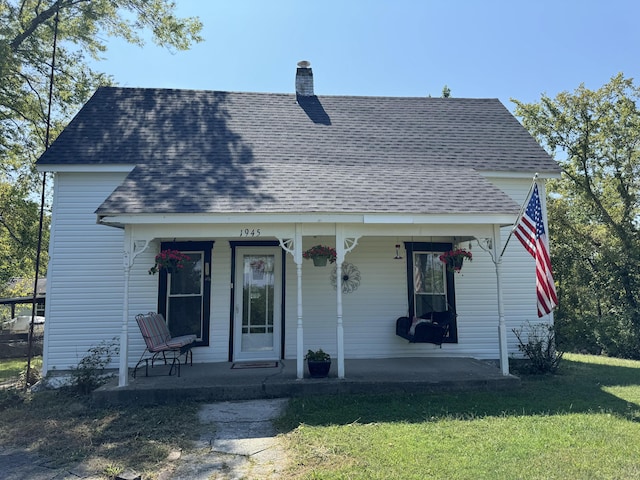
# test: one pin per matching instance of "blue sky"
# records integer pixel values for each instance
(481, 49)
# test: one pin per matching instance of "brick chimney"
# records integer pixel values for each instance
(304, 79)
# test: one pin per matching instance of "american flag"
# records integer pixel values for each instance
(531, 233)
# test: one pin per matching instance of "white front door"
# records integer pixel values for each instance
(258, 298)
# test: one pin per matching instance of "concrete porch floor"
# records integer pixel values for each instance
(214, 382)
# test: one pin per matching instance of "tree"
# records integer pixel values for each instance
(593, 210)
(26, 38)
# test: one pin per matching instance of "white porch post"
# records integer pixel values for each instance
(339, 325)
(297, 258)
(123, 374)
(502, 327)
(294, 247)
(343, 246)
(131, 251)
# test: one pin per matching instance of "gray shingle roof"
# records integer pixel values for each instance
(205, 151)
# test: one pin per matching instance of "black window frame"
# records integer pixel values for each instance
(426, 247)
(207, 248)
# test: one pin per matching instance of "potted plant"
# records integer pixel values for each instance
(453, 259)
(320, 254)
(169, 260)
(318, 363)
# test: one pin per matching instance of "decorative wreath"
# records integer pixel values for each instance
(350, 277)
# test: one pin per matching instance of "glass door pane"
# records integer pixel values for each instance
(257, 315)
(257, 304)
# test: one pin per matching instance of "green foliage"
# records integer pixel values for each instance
(593, 212)
(538, 343)
(26, 46)
(89, 374)
(19, 218)
(317, 356)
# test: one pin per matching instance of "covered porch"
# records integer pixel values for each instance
(221, 381)
(290, 238)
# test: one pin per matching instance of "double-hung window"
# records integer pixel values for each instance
(184, 296)
(430, 284)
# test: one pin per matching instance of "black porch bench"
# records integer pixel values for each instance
(429, 328)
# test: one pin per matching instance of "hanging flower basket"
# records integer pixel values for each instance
(453, 259)
(169, 260)
(320, 254)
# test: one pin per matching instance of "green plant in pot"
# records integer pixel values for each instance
(318, 363)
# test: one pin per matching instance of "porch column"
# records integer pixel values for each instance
(294, 247)
(502, 326)
(343, 246)
(123, 373)
(297, 258)
(131, 251)
(340, 328)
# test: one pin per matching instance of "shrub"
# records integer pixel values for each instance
(89, 374)
(538, 343)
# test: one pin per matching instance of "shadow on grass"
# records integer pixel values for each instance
(66, 428)
(577, 388)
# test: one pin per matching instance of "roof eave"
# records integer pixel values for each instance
(476, 218)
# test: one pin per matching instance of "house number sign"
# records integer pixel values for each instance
(249, 232)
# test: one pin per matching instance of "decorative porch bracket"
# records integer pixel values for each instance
(294, 247)
(344, 245)
(131, 250)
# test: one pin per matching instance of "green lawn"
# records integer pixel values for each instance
(11, 368)
(581, 424)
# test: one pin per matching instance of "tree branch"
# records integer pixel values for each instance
(39, 19)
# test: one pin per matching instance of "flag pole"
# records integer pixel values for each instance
(522, 209)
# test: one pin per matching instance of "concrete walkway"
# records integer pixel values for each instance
(241, 444)
(238, 442)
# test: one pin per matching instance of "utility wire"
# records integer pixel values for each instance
(42, 200)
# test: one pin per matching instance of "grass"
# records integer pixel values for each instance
(67, 428)
(583, 423)
(11, 368)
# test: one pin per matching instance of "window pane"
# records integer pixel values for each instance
(429, 277)
(188, 280)
(429, 273)
(185, 316)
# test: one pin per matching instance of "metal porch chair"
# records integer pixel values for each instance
(160, 343)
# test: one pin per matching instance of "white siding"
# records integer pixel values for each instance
(85, 273)
(370, 312)
(86, 287)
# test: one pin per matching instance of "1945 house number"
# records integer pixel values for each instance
(249, 232)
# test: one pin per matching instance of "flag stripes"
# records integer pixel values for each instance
(531, 233)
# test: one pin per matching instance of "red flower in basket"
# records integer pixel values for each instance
(170, 260)
(453, 258)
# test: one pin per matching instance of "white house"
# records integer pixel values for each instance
(243, 183)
